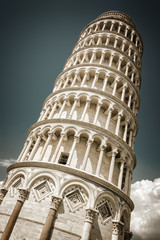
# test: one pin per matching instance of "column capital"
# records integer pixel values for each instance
(90, 141)
(76, 137)
(120, 114)
(117, 227)
(23, 194)
(56, 201)
(90, 214)
(114, 152)
(125, 86)
(102, 147)
(116, 80)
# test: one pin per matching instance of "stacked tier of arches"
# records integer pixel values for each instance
(108, 82)
(115, 26)
(107, 59)
(110, 40)
(95, 109)
(83, 149)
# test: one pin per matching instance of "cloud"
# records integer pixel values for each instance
(6, 162)
(145, 220)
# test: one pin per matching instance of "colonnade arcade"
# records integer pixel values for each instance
(110, 40)
(83, 150)
(102, 80)
(93, 109)
(118, 27)
(107, 58)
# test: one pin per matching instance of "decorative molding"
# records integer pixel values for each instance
(76, 172)
(90, 214)
(56, 201)
(23, 194)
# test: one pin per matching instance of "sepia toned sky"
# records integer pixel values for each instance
(37, 37)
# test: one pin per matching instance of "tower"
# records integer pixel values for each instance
(72, 179)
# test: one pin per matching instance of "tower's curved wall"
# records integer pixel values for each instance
(81, 148)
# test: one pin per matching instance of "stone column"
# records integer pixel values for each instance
(105, 82)
(132, 35)
(66, 81)
(115, 86)
(102, 148)
(73, 107)
(112, 24)
(132, 76)
(102, 58)
(99, 104)
(130, 137)
(126, 180)
(123, 45)
(117, 228)
(26, 151)
(62, 108)
(118, 123)
(119, 28)
(119, 64)
(84, 78)
(95, 79)
(93, 57)
(58, 148)
(99, 41)
(46, 112)
(52, 111)
(86, 154)
(111, 59)
(125, 131)
(126, 31)
(107, 41)
(84, 56)
(111, 169)
(123, 92)
(121, 173)
(129, 51)
(110, 110)
(130, 98)
(104, 25)
(76, 138)
(35, 147)
(90, 214)
(45, 145)
(127, 68)
(48, 225)
(75, 78)
(116, 41)
(85, 109)
(23, 193)
(3, 192)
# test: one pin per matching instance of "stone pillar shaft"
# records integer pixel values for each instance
(14, 215)
(47, 229)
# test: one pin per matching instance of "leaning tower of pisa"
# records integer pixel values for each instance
(72, 179)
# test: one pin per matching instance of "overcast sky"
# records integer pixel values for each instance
(37, 37)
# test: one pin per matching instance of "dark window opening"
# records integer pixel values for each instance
(63, 159)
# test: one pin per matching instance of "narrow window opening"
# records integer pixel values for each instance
(63, 159)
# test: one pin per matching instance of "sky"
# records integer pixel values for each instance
(37, 37)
